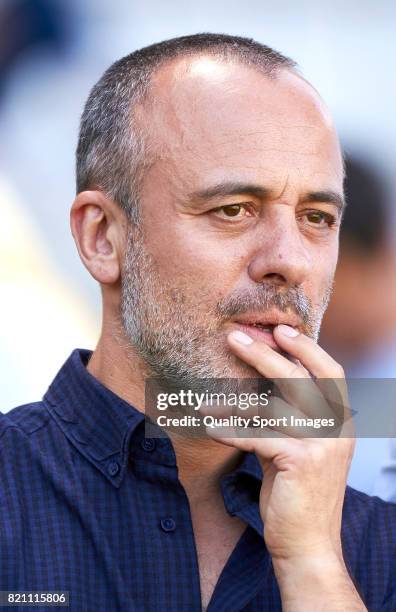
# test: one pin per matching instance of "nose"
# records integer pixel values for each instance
(282, 254)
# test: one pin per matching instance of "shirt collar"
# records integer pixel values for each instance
(93, 418)
(241, 492)
(100, 425)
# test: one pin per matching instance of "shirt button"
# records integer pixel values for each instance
(168, 524)
(113, 468)
(148, 444)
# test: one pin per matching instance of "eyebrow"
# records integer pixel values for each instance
(235, 188)
(229, 188)
(328, 196)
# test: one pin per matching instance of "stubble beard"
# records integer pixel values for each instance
(162, 322)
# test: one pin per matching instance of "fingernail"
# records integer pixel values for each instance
(286, 330)
(241, 337)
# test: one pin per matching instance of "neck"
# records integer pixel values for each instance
(201, 462)
(119, 368)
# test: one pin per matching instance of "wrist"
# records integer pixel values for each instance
(306, 580)
(312, 564)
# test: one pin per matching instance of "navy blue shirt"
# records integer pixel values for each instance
(90, 506)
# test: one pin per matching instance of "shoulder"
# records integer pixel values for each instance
(369, 545)
(23, 420)
(22, 430)
(31, 446)
(23, 434)
(368, 520)
(361, 509)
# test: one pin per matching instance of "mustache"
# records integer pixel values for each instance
(263, 298)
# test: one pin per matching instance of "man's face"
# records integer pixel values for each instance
(239, 217)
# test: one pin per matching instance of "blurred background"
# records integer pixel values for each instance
(53, 51)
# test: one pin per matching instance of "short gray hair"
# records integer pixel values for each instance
(112, 152)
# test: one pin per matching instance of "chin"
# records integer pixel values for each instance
(241, 370)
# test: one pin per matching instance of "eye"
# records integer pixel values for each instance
(320, 218)
(233, 211)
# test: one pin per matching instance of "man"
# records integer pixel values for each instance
(209, 180)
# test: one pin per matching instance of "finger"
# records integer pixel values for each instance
(263, 358)
(269, 445)
(304, 394)
(329, 374)
(335, 392)
(278, 416)
(293, 422)
(285, 372)
(306, 350)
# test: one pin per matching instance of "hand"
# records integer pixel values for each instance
(304, 481)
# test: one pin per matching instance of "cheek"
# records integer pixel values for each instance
(323, 262)
(196, 259)
(321, 280)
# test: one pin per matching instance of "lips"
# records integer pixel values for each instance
(258, 332)
(261, 326)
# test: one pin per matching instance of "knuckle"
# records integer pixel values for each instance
(348, 445)
(343, 448)
(259, 351)
(338, 371)
(296, 371)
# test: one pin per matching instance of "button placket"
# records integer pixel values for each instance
(168, 524)
(148, 444)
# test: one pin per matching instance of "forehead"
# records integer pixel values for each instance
(209, 116)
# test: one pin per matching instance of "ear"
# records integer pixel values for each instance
(99, 228)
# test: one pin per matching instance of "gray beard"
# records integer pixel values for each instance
(160, 321)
